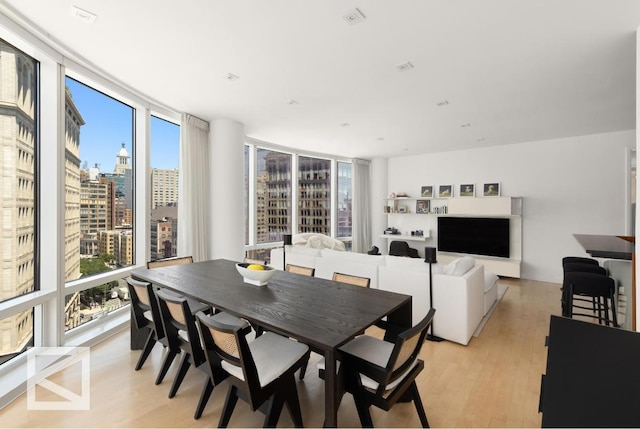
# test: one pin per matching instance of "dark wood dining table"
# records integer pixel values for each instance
(321, 313)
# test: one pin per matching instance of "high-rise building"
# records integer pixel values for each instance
(164, 232)
(117, 242)
(164, 187)
(314, 191)
(97, 212)
(18, 75)
(278, 195)
(73, 122)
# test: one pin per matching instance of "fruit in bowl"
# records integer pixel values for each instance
(255, 274)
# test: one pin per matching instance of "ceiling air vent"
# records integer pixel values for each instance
(354, 17)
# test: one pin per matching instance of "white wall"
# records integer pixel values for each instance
(571, 185)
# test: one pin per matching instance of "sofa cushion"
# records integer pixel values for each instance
(490, 280)
(458, 267)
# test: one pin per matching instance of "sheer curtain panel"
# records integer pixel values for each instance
(193, 208)
(361, 211)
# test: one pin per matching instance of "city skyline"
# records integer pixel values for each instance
(100, 140)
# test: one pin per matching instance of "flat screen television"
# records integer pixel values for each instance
(474, 235)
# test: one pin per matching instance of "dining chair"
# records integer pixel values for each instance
(352, 280)
(298, 269)
(146, 315)
(380, 373)
(261, 372)
(170, 261)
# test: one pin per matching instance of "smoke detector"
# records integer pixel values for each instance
(83, 15)
(354, 17)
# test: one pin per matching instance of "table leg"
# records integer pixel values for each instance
(330, 390)
(398, 321)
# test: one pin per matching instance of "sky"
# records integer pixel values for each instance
(109, 123)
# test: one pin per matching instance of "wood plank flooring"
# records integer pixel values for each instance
(492, 382)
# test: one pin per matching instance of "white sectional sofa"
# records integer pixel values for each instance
(458, 287)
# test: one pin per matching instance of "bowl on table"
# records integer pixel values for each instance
(254, 275)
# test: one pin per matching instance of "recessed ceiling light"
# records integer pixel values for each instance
(465, 125)
(82, 14)
(380, 139)
(442, 103)
(354, 17)
(404, 149)
(404, 66)
(345, 124)
(231, 76)
(292, 101)
(480, 139)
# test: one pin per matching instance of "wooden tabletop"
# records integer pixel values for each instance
(321, 313)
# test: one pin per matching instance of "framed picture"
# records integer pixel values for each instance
(402, 209)
(445, 191)
(467, 190)
(491, 189)
(422, 206)
(426, 192)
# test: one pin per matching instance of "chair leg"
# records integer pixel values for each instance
(415, 394)
(614, 310)
(229, 405)
(168, 360)
(182, 371)
(606, 311)
(148, 346)
(274, 408)
(361, 404)
(292, 402)
(303, 368)
(204, 398)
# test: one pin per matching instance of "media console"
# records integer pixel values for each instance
(466, 207)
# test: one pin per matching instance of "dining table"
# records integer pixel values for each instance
(321, 313)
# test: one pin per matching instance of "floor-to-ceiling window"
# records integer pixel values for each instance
(165, 155)
(344, 198)
(99, 205)
(19, 125)
(314, 195)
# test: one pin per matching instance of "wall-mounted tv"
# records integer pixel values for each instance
(474, 235)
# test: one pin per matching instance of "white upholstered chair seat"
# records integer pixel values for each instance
(377, 352)
(273, 356)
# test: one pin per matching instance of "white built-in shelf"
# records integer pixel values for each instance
(407, 237)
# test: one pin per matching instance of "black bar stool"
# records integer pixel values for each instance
(600, 288)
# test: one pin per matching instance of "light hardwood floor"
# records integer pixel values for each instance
(492, 382)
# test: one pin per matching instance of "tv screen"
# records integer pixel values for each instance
(474, 235)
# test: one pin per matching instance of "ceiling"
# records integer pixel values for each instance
(485, 72)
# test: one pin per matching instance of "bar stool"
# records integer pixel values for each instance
(600, 288)
(580, 267)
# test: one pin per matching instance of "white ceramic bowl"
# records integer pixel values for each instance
(255, 277)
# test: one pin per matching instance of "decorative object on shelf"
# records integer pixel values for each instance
(417, 233)
(258, 275)
(426, 192)
(402, 209)
(392, 196)
(402, 195)
(491, 189)
(430, 258)
(467, 190)
(286, 241)
(422, 206)
(391, 231)
(445, 191)
(374, 251)
(387, 209)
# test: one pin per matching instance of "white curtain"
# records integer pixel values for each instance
(193, 207)
(361, 211)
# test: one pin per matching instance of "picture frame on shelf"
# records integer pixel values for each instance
(426, 192)
(467, 190)
(491, 189)
(445, 191)
(402, 209)
(422, 206)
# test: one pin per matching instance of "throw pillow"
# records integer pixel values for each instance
(464, 265)
(448, 270)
